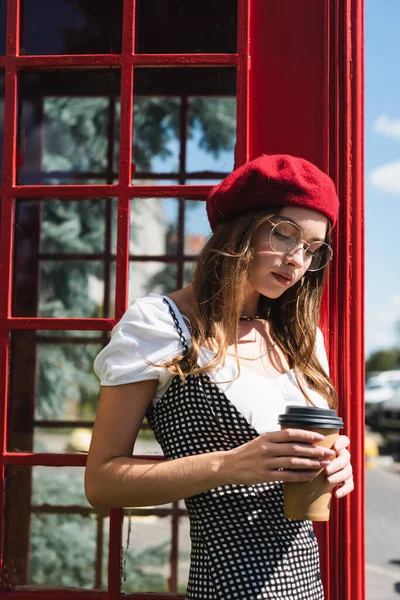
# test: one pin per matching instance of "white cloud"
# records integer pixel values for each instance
(381, 325)
(395, 303)
(387, 177)
(387, 126)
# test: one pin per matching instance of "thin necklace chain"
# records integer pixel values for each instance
(252, 318)
(257, 357)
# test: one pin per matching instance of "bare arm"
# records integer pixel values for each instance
(114, 479)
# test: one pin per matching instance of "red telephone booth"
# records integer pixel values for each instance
(115, 121)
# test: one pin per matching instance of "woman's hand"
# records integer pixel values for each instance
(340, 471)
(286, 455)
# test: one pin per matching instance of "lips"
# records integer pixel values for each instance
(283, 278)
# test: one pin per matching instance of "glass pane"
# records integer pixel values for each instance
(54, 539)
(146, 443)
(3, 26)
(184, 551)
(58, 247)
(148, 564)
(1, 123)
(151, 276)
(54, 391)
(188, 272)
(211, 148)
(197, 227)
(71, 289)
(65, 27)
(206, 101)
(73, 226)
(156, 129)
(178, 26)
(69, 126)
(154, 226)
(146, 553)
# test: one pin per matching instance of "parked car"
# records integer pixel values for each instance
(376, 393)
(382, 401)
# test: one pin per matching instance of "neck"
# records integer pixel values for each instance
(250, 305)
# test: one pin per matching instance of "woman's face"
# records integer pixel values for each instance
(271, 272)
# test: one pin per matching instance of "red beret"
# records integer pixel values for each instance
(273, 180)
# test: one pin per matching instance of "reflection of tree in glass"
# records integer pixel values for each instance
(76, 130)
(164, 281)
(76, 140)
(61, 386)
(63, 547)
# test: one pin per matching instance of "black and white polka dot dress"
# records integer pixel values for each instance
(242, 545)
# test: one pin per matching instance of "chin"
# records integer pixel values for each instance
(272, 295)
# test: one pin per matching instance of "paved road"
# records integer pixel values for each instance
(383, 533)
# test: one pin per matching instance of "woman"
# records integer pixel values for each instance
(212, 366)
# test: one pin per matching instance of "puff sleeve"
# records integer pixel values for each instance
(146, 333)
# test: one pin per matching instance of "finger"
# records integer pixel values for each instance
(337, 464)
(296, 462)
(341, 443)
(345, 489)
(294, 435)
(308, 450)
(341, 476)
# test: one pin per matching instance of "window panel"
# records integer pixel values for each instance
(154, 226)
(213, 146)
(54, 391)
(184, 124)
(178, 26)
(147, 546)
(65, 27)
(69, 132)
(62, 249)
(71, 289)
(3, 26)
(156, 128)
(197, 227)
(76, 227)
(151, 276)
(53, 538)
(184, 546)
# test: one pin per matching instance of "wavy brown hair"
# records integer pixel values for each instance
(219, 286)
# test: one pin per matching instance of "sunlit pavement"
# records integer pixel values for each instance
(382, 527)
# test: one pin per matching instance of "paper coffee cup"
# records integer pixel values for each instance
(310, 500)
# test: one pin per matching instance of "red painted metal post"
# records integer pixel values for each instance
(243, 69)
(306, 99)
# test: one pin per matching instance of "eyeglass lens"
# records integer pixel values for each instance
(286, 236)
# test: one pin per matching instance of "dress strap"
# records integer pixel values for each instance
(177, 326)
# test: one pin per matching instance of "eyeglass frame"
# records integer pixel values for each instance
(301, 241)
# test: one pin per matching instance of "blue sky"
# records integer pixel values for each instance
(382, 173)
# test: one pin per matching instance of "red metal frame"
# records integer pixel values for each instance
(320, 91)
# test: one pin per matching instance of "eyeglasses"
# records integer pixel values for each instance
(285, 237)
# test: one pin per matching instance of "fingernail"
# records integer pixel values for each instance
(324, 463)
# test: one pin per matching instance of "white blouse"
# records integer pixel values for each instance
(146, 334)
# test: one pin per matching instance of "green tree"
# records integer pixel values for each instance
(383, 360)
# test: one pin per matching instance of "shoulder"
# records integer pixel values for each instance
(153, 317)
(148, 332)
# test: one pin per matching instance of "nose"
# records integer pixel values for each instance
(296, 257)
